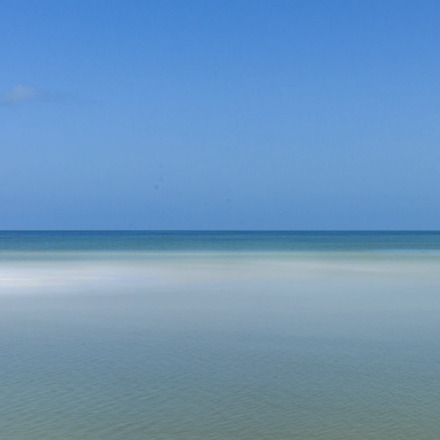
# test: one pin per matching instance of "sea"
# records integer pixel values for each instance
(240, 335)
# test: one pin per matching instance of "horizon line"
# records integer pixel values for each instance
(219, 230)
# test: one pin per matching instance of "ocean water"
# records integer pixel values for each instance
(219, 335)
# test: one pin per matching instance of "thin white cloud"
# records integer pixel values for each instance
(21, 93)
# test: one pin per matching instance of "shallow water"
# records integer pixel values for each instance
(219, 336)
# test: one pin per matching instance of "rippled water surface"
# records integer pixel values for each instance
(192, 335)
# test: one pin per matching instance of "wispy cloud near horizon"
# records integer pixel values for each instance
(21, 93)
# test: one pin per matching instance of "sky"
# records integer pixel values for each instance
(220, 114)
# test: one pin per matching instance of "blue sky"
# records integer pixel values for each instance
(220, 115)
